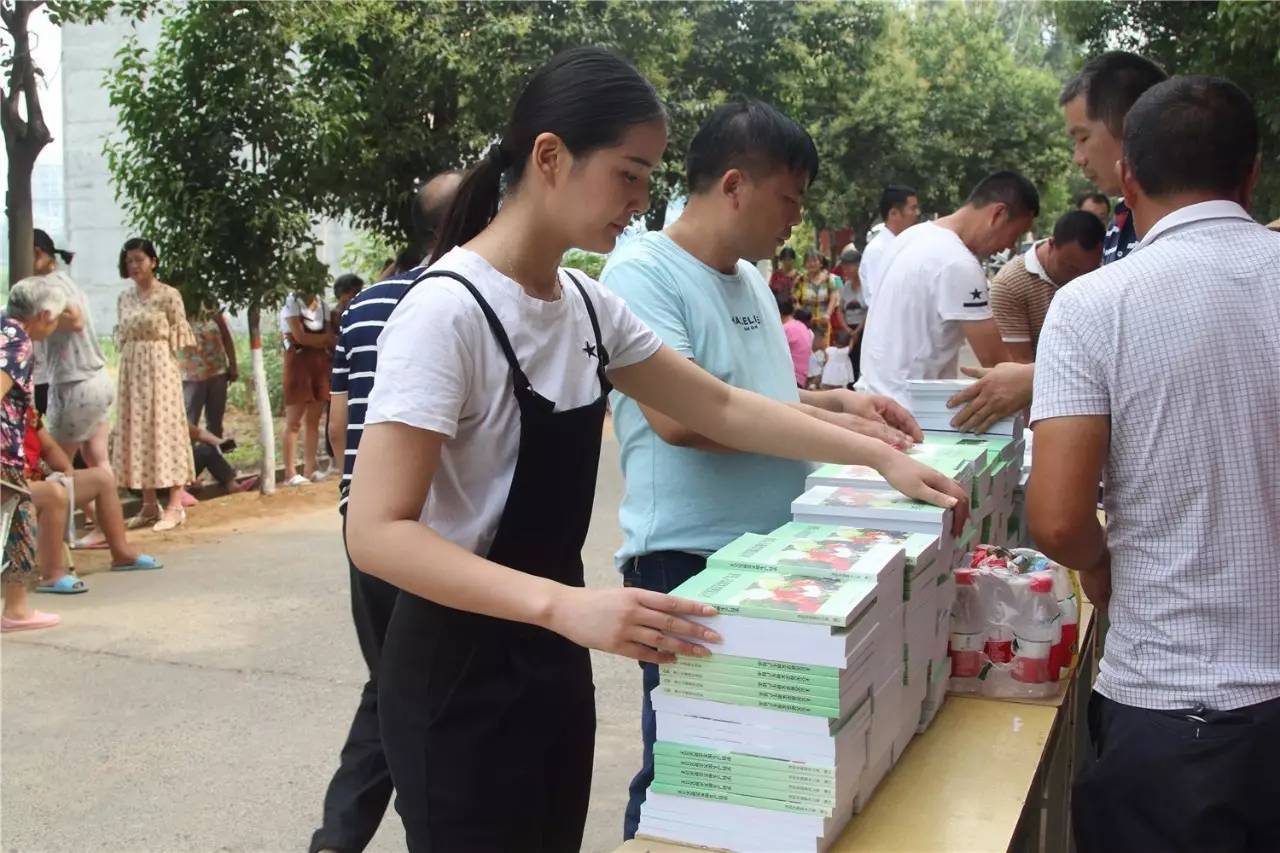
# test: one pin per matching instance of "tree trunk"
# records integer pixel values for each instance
(266, 425)
(24, 138)
(18, 209)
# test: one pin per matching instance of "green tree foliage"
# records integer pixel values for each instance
(1238, 40)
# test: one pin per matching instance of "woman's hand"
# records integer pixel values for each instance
(917, 480)
(635, 623)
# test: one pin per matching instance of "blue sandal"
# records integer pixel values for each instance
(65, 585)
(145, 562)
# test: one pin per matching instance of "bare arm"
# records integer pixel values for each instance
(228, 346)
(338, 422)
(393, 475)
(1020, 352)
(984, 337)
(305, 338)
(756, 424)
(71, 319)
(1062, 498)
(53, 454)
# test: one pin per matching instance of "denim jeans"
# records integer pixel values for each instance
(661, 571)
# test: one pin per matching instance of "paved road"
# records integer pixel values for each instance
(202, 707)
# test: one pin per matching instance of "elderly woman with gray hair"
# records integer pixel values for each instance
(36, 305)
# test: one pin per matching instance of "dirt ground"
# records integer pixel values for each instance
(221, 518)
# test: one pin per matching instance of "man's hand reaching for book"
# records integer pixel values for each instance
(635, 623)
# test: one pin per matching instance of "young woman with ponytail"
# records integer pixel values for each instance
(475, 478)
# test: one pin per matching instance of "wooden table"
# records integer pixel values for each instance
(988, 775)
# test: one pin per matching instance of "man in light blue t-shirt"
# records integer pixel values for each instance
(686, 497)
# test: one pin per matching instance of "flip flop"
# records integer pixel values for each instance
(145, 562)
(65, 585)
(80, 545)
(39, 619)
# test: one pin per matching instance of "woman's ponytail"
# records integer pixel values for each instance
(474, 205)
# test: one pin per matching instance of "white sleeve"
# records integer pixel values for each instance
(628, 340)
(425, 363)
(961, 292)
(1071, 362)
(292, 308)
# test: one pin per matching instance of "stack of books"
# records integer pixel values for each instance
(928, 403)
(998, 475)
(762, 745)
(898, 711)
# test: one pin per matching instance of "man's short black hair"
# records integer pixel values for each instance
(347, 283)
(1192, 134)
(751, 136)
(1079, 226)
(1110, 85)
(1099, 198)
(894, 196)
(786, 306)
(787, 254)
(1010, 189)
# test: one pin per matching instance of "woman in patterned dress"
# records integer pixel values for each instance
(151, 448)
(35, 306)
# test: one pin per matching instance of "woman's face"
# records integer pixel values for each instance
(787, 263)
(139, 265)
(813, 266)
(41, 325)
(599, 194)
(44, 264)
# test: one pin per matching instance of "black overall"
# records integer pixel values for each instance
(489, 725)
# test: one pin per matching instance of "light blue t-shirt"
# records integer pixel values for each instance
(677, 498)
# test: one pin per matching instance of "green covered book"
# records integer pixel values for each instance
(687, 752)
(835, 602)
(672, 769)
(956, 463)
(727, 678)
(760, 670)
(739, 799)
(797, 794)
(814, 557)
(863, 508)
(838, 544)
(675, 687)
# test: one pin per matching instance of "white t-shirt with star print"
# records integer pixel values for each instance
(440, 368)
(931, 285)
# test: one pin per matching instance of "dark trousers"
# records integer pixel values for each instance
(208, 396)
(855, 356)
(489, 730)
(209, 458)
(42, 398)
(661, 571)
(359, 792)
(1159, 781)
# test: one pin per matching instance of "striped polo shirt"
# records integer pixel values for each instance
(355, 359)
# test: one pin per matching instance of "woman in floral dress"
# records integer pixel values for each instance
(151, 448)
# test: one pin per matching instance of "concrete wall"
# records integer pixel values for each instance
(96, 225)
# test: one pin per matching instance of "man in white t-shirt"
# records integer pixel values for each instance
(933, 291)
(899, 209)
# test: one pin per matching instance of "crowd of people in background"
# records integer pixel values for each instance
(74, 437)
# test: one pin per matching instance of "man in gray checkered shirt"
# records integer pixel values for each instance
(1164, 372)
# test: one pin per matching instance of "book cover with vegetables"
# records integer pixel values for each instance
(818, 557)
(821, 540)
(831, 601)
(869, 504)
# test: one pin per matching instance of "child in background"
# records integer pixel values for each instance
(838, 371)
(817, 355)
(799, 337)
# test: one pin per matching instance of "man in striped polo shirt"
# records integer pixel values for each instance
(359, 792)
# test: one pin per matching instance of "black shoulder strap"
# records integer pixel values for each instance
(518, 377)
(603, 361)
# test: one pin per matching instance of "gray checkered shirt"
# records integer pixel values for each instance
(1179, 344)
